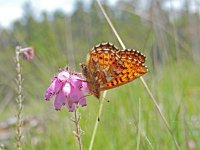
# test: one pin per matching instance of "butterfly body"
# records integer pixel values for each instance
(90, 78)
(108, 67)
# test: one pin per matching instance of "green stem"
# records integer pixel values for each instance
(139, 126)
(78, 129)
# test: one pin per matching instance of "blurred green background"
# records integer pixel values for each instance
(167, 36)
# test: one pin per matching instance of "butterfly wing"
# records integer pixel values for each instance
(131, 70)
(98, 62)
(110, 67)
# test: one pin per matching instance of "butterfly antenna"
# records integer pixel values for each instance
(103, 98)
(85, 96)
(82, 80)
(107, 100)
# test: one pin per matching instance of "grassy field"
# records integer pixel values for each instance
(130, 119)
(175, 86)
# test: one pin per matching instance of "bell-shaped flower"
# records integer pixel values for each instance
(69, 89)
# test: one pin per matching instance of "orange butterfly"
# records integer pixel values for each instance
(108, 67)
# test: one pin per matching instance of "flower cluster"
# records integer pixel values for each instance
(28, 53)
(69, 89)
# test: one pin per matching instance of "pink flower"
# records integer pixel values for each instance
(28, 53)
(69, 89)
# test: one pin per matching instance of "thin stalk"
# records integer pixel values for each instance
(139, 124)
(185, 127)
(97, 120)
(144, 135)
(78, 132)
(141, 78)
(19, 101)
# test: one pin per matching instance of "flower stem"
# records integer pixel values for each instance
(19, 100)
(141, 78)
(78, 132)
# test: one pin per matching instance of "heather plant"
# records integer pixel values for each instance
(69, 88)
(28, 54)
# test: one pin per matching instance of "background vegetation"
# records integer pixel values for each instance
(168, 37)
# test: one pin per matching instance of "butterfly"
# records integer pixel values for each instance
(108, 67)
